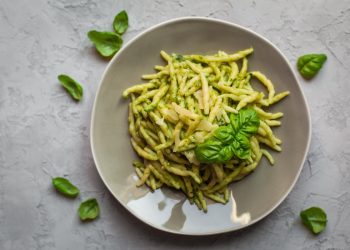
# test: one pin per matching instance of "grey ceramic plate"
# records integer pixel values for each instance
(252, 198)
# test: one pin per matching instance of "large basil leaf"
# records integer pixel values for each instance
(244, 124)
(315, 219)
(216, 149)
(106, 43)
(72, 86)
(89, 209)
(309, 65)
(65, 187)
(121, 22)
(231, 140)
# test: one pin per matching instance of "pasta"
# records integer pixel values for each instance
(181, 106)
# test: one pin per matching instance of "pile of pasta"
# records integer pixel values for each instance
(181, 105)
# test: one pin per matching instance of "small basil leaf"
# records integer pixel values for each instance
(106, 43)
(315, 219)
(309, 65)
(231, 140)
(72, 87)
(121, 22)
(89, 209)
(65, 187)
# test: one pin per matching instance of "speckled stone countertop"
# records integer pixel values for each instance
(44, 133)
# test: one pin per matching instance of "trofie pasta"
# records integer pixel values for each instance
(198, 124)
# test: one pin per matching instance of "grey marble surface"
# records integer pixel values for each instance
(44, 133)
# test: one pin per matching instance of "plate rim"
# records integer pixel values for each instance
(214, 20)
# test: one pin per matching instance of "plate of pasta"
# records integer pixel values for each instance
(199, 127)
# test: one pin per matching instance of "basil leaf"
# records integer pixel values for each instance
(72, 87)
(106, 43)
(89, 209)
(121, 22)
(244, 124)
(241, 146)
(309, 65)
(65, 187)
(314, 218)
(231, 140)
(216, 149)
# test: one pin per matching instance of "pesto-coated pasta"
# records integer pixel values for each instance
(182, 105)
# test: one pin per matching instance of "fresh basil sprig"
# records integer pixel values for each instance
(121, 22)
(309, 65)
(65, 187)
(231, 140)
(72, 86)
(314, 218)
(107, 43)
(89, 209)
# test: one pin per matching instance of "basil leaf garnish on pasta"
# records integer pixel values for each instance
(230, 141)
